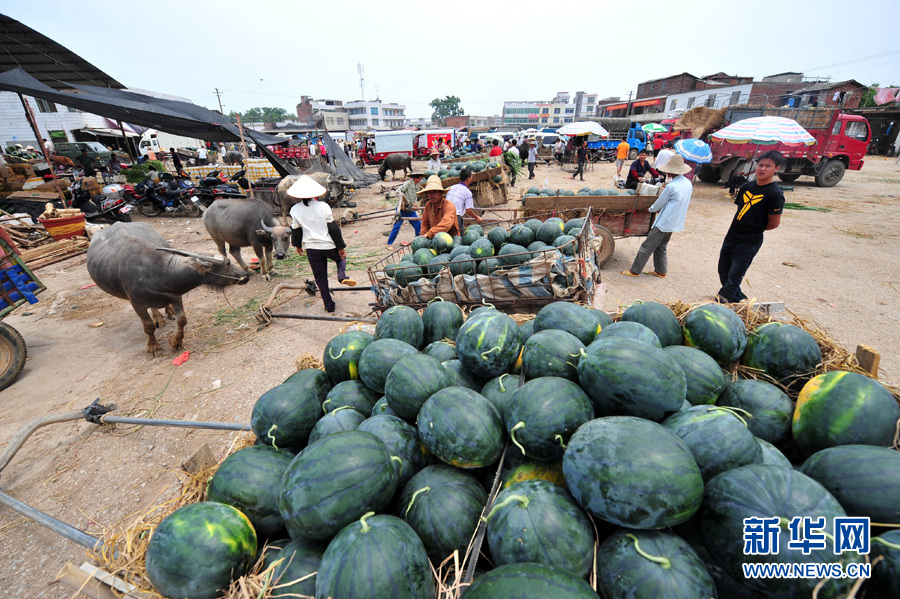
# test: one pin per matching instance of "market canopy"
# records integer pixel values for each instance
(171, 116)
(583, 128)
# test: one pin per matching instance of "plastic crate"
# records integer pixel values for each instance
(18, 284)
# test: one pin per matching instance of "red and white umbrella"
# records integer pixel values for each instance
(765, 130)
(583, 128)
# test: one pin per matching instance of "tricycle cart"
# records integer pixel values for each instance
(17, 286)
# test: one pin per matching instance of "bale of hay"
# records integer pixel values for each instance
(701, 120)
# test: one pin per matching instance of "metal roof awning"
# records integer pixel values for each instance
(109, 132)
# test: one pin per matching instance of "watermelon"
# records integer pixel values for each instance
(771, 456)
(333, 482)
(248, 480)
(487, 266)
(418, 243)
(513, 254)
(783, 351)
(462, 264)
(460, 376)
(498, 236)
(375, 556)
(517, 468)
(438, 263)
(443, 505)
(442, 243)
(567, 244)
(402, 441)
(298, 559)
(441, 350)
(770, 409)
(568, 317)
(629, 330)
(284, 415)
(603, 319)
(627, 377)
(352, 394)
(758, 491)
(197, 550)
(459, 250)
(552, 353)
(651, 563)
(658, 318)
(383, 409)
(403, 323)
(499, 391)
(543, 414)
(461, 427)
(413, 380)
(537, 521)
(471, 236)
(313, 378)
(474, 230)
(844, 408)
(717, 438)
(705, 379)
(534, 224)
(612, 474)
(717, 331)
(441, 320)
(379, 357)
(481, 248)
(529, 581)
(863, 478)
(885, 581)
(537, 246)
(521, 235)
(526, 330)
(549, 231)
(457, 240)
(341, 356)
(338, 420)
(574, 226)
(488, 345)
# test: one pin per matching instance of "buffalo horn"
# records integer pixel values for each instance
(266, 227)
(204, 258)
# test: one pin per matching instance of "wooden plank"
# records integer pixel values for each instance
(84, 584)
(868, 359)
(202, 459)
(620, 203)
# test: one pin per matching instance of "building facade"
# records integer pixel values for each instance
(562, 109)
(715, 97)
(375, 114)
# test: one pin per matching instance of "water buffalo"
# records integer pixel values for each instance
(394, 163)
(335, 184)
(242, 222)
(233, 157)
(132, 261)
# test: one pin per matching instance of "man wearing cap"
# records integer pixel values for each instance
(672, 206)
(438, 214)
(434, 162)
(314, 230)
(532, 157)
(406, 206)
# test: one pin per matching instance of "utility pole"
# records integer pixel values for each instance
(628, 106)
(361, 69)
(219, 96)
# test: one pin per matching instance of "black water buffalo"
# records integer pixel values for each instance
(334, 184)
(242, 222)
(394, 163)
(233, 157)
(132, 261)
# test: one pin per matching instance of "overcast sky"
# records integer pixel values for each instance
(270, 52)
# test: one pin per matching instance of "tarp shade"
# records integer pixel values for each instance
(177, 118)
(341, 164)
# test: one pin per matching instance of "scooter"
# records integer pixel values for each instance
(604, 155)
(165, 198)
(102, 207)
(213, 181)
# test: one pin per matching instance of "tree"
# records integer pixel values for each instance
(447, 107)
(868, 97)
(265, 114)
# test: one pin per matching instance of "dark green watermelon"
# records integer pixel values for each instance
(567, 244)
(474, 230)
(863, 478)
(459, 250)
(488, 345)
(461, 428)
(544, 413)
(403, 323)
(513, 254)
(487, 266)
(716, 330)
(413, 380)
(783, 351)
(549, 231)
(405, 272)
(423, 256)
(378, 358)
(441, 350)
(651, 563)
(199, 549)
(658, 318)
(627, 377)
(539, 522)
(630, 330)
(461, 377)
(498, 236)
(534, 224)
(552, 353)
(771, 410)
(771, 455)
(885, 581)
(603, 319)
(418, 243)
(443, 505)
(442, 243)
(338, 420)
(536, 246)
(611, 472)
(481, 248)
(471, 236)
(297, 561)
(315, 379)
(376, 556)
(521, 235)
(248, 480)
(758, 491)
(517, 468)
(402, 441)
(526, 330)
(499, 391)
(284, 415)
(717, 438)
(352, 394)
(703, 375)
(568, 317)
(462, 264)
(383, 409)
(335, 481)
(438, 263)
(529, 581)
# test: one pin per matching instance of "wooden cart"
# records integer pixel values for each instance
(18, 285)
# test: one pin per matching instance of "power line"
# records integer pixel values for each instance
(854, 60)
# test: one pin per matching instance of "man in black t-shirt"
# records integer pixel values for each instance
(760, 204)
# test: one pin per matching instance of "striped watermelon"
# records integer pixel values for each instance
(568, 317)
(488, 345)
(441, 350)
(885, 581)
(461, 428)
(629, 330)
(312, 378)
(658, 318)
(298, 559)
(442, 320)
(770, 409)
(402, 322)
(413, 380)
(338, 420)
(341, 356)
(771, 456)
(460, 377)
(717, 331)
(552, 353)
(499, 391)
(783, 351)
(351, 394)
(284, 415)
(529, 581)
(704, 378)
(378, 358)
(402, 442)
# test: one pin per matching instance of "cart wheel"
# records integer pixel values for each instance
(12, 355)
(608, 246)
(360, 164)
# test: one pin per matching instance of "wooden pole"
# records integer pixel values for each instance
(125, 142)
(29, 114)
(244, 152)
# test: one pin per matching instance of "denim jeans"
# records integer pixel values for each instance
(735, 258)
(416, 225)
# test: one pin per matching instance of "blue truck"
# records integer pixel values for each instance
(620, 129)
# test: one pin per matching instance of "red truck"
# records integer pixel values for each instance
(841, 143)
(660, 139)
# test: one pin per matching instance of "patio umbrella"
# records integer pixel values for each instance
(765, 130)
(583, 128)
(653, 128)
(694, 149)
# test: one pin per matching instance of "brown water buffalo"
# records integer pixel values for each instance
(335, 184)
(394, 163)
(242, 222)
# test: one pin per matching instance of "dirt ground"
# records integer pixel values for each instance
(835, 268)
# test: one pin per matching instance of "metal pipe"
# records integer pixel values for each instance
(332, 318)
(222, 426)
(60, 528)
(29, 428)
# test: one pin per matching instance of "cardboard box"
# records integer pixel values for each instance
(18, 178)
(5, 172)
(22, 169)
(52, 186)
(90, 184)
(13, 185)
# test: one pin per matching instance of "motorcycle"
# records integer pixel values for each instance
(164, 198)
(213, 180)
(111, 208)
(604, 155)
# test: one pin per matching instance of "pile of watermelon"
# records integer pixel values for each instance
(628, 434)
(532, 192)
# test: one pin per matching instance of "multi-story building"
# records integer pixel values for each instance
(375, 114)
(333, 115)
(469, 120)
(557, 112)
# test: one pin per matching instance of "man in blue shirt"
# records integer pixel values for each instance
(672, 206)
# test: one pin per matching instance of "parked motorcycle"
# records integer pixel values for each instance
(112, 208)
(213, 180)
(604, 155)
(164, 198)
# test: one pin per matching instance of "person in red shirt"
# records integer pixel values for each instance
(495, 149)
